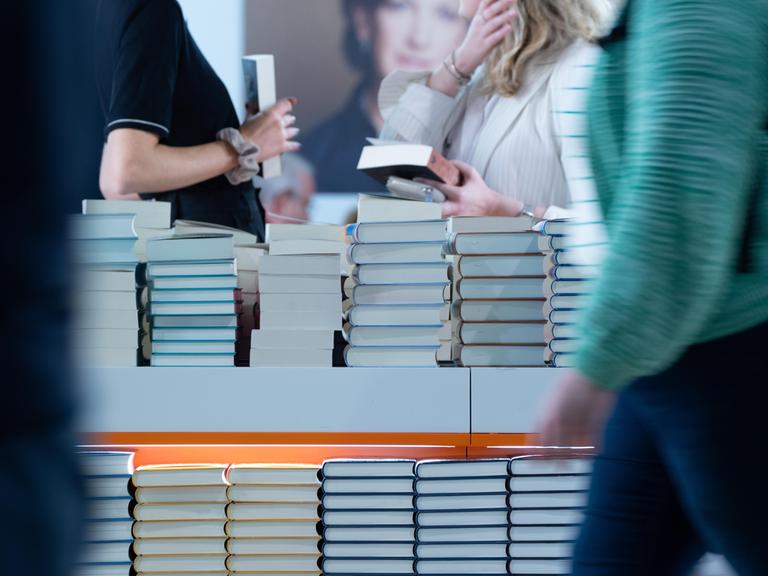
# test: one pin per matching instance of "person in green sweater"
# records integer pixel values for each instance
(672, 376)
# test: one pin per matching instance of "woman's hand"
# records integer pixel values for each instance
(489, 26)
(575, 413)
(272, 130)
(474, 197)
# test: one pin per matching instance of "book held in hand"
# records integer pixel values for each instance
(409, 161)
(260, 94)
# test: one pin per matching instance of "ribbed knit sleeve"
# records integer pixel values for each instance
(413, 112)
(695, 104)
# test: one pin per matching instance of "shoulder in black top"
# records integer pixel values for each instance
(152, 76)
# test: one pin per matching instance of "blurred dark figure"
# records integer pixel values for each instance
(380, 36)
(46, 122)
(673, 337)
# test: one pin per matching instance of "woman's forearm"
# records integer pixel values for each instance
(134, 162)
(442, 81)
(508, 206)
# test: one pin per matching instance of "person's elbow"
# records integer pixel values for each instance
(117, 179)
(124, 166)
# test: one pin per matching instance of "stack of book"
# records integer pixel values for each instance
(299, 310)
(108, 325)
(566, 286)
(248, 251)
(180, 514)
(546, 500)
(108, 539)
(284, 239)
(153, 219)
(498, 295)
(273, 519)
(398, 288)
(193, 305)
(462, 516)
(368, 517)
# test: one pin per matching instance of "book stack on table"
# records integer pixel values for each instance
(247, 251)
(108, 317)
(108, 539)
(568, 283)
(299, 310)
(285, 239)
(462, 516)
(153, 218)
(368, 517)
(546, 501)
(498, 295)
(180, 513)
(273, 519)
(396, 311)
(194, 300)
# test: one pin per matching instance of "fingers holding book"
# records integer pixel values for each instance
(273, 130)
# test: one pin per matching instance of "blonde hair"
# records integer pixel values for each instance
(544, 27)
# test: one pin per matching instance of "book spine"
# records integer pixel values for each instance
(351, 253)
(444, 169)
(351, 233)
(450, 244)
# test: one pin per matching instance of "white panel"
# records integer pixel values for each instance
(275, 400)
(508, 400)
(219, 30)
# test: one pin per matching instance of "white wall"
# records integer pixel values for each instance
(219, 30)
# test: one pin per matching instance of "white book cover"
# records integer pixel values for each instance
(149, 213)
(290, 358)
(382, 209)
(310, 339)
(329, 232)
(260, 94)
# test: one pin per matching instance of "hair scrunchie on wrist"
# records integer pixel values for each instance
(247, 153)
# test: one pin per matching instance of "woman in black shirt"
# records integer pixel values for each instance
(165, 109)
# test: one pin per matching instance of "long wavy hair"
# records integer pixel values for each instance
(544, 27)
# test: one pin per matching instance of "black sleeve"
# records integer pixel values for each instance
(146, 65)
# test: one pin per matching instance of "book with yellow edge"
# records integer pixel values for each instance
(284, 511)
(274, 474)
(180, 475)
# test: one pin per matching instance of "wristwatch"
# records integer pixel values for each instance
(527, 210)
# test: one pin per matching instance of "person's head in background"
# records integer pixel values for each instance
(386, 35)
(540, 27)
(286, 198)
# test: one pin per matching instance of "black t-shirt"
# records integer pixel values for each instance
(152, 76)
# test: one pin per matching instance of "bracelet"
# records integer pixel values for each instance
(247, 155)
(450, 65)
(527, 210)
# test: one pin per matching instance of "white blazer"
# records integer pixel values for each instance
(529, 146)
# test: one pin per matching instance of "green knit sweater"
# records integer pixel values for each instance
(677, 118)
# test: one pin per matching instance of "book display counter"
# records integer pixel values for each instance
(294, 414)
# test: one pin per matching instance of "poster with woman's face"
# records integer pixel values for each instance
(333, 54)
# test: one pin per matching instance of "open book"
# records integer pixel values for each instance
(382, 159)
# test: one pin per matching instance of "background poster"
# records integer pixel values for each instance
(333, 54)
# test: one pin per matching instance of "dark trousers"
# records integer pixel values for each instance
(680, 468)
(40, 505)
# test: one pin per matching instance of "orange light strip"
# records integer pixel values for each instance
(282, 454)
(277, 438)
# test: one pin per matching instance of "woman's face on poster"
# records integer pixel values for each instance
(415, 34)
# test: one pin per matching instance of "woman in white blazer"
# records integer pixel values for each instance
(507, 106)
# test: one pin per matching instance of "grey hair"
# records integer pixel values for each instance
(294, 167)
